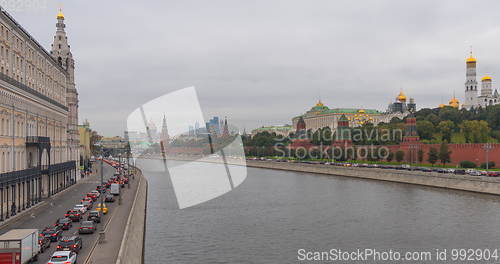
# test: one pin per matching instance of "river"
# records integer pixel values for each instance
(273, 214)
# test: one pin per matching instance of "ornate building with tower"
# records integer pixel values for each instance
(39, 138)
(320, 115)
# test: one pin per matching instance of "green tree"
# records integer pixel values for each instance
(390, 156)
(425, 129)
(420, 155)
(475, 131)
(400, 155)
(446, 129)
(467, 164)
(433, 156)
(444, 153)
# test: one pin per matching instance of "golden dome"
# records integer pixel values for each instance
(454, 102)
(60, 14)
(401, 97)
(361, 111)
(486, 78)
(319, 103)
(470, 59)
(442, 105)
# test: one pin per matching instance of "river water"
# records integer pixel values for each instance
(273, 214)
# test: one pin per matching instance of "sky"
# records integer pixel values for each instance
(262, 62)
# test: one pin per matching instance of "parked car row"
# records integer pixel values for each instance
(456, 171)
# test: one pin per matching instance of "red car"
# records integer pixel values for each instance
(493, 173)
(93, 196)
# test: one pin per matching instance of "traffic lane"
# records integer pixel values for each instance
(66, 204)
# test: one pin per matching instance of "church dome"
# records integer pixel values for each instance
(442, 105)
(60, 14)
(486, 78)
(401, 97)
(454, 102)
(471, 59)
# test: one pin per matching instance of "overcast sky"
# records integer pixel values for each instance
(263, 62)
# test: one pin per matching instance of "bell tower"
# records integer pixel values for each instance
(470, 83)
(61, 52)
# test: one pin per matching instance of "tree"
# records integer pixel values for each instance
(446, 129)
(425, 129)
(400, 155)
(444, 153)
(433, 156)
(475, 131)
(467, 164)
(390, 156)
(420, 155)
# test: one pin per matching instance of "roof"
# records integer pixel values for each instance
(274, 127)
(44, 51)
(349, 111)
(18, 234)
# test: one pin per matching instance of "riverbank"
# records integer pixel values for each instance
(132, 245)
(487, 185)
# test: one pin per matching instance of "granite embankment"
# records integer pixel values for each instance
(450, 181)
(132, 246)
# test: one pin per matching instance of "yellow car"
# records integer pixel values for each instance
(104, 209)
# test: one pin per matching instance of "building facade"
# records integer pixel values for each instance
(320, 116)
(85, 151)
(38, 115)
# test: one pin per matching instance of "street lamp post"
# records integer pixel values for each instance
(102, 185)
(487, 147)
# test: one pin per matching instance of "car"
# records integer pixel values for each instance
(109, 198)
(65, 223)
(94, 216)
(87, 227)
(474, 173)
(75, 215)
(43, 243)
(53, 233)
(72, 243)
(87, 204)
(493, 173)
(92, 196)
(63, 257)
(82, 208)
(460, 172)
(96, 193)
(104, 208)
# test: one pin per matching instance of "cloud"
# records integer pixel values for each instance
(263, 62)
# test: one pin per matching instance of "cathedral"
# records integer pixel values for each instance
(472, 98)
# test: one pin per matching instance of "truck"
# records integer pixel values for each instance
(114, 189)
(19, 246)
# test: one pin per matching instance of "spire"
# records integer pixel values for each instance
(471, 58)
(225, 130)
(164, 137)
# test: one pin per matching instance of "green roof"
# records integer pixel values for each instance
(343, 110)
(274, 127)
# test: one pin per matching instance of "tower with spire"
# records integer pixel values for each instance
(61, 52)
(164, 137)
(470, 83)
(225, 129)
